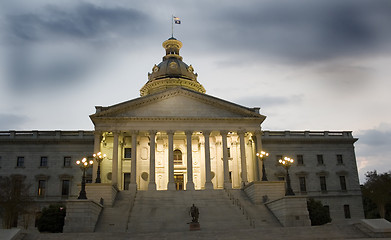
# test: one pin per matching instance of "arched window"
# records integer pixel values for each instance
(177, 157)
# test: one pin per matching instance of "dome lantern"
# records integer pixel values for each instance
(171, 72)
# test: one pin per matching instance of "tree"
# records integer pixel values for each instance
(377, 188)
(319, 214)
(14, 199)
(52, 219)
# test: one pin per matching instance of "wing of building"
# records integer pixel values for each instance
(175, 137)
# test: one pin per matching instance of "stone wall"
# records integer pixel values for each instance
(82, 216)
(290, 211)
(260, 192)
(106, 191)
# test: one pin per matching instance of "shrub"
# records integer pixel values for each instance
(52, 219)
(319, 215)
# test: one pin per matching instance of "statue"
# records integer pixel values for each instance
(194, 212)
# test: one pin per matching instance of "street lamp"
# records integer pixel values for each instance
(98, 158)
(84, 164)
(262, 156)
(286, 162)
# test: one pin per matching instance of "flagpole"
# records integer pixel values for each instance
(172, 26)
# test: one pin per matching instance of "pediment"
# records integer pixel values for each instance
(177, 103)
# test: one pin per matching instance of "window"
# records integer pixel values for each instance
(177, 157)
(346, 210)
(339, 159)
(44, 162)
(20, 162)
(41, 188)
(229, 152)
(342, 182)
(300, 160)
(67, 161)
(127, 153)
(230, 176)
(323, 186)
(65, 188)
(320, 159)
(303, 187)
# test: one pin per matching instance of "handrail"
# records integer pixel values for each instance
(236, 202)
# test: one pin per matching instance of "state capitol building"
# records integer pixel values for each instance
(176, 138)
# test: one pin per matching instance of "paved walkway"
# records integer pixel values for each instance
(319, 232)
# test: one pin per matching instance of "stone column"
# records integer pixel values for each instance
(97, 139)
(227, 183)
(258, 150)
(114, 170)
(190, 183)
(243, 158)
(133, 164)
(152, 182)
(171, 183)
(208, 177)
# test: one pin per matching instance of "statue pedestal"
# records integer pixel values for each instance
(195, 226)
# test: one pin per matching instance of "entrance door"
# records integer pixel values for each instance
(126, 181)
(178, 179)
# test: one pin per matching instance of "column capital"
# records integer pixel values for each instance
(152, 132)
(116, 132)
(206, 132)
(257, 132)
(98, 132)
(189, 132)
(134, 132)
(170, 132)
(241, 132)
(224, 133)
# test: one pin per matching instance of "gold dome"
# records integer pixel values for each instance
(171, 72)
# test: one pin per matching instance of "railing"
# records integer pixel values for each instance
(236, 202)
(132, 201)
(46, 134)
(309, 134)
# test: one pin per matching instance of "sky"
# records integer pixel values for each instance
(309, 65)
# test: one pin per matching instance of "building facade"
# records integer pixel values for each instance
(176, 137)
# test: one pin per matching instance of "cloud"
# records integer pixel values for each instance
(12, 121)
(304, 31)
(59, 45)
(268, 101)
(373, 149)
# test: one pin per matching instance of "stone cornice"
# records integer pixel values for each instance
(103, 112)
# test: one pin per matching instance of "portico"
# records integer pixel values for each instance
(154, 167)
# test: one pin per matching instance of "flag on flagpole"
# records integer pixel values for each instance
(177, 20)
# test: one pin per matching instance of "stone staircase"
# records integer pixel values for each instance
(258, 215)
(115, 218)
(168, 211)
(223, 215)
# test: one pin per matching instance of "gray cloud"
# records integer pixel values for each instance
(12, 121)
(268, 101)
(59, 45)
(378, 140)
(84, 21)
(304, 30)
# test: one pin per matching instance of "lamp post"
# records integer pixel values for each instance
(286, 162)
(98, 158)
(84, 164)
(262, 156)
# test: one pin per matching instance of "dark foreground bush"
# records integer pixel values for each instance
(52, 219)
(319, 214)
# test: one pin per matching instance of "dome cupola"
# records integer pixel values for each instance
(171, 72)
